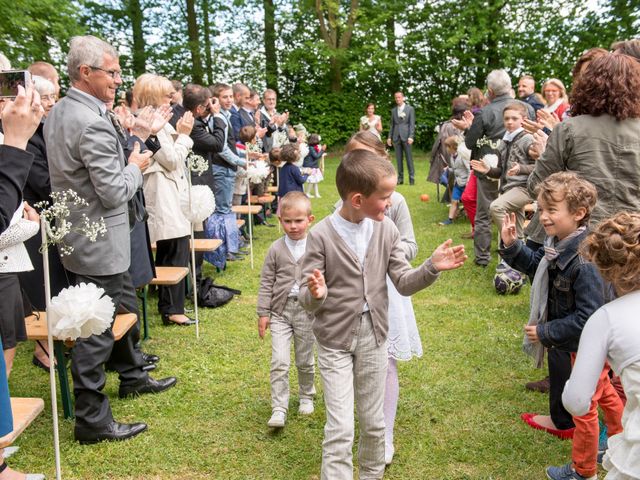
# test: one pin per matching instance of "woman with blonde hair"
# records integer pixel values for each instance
(556, 97)
(166, 191)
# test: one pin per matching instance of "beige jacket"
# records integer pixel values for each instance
(279, 273)
(166, 187)
(349, 286)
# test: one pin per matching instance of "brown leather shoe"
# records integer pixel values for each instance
(541, 386)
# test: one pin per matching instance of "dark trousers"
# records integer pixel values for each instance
(402, 146)
(172, 253)
(90, 354)
(487, 192)
(559, 373)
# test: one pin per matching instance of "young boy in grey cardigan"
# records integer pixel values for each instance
(348, 257)
(513, 167)
(278, 305)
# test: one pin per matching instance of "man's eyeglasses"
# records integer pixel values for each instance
(112, 73)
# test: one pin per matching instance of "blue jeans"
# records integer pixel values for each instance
(223, 182)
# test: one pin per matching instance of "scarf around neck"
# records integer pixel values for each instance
(540, 291)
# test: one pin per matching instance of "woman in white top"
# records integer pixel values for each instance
(611, 334)
(166, 193)
(371, 122)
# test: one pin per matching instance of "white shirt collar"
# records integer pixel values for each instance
(509, 136)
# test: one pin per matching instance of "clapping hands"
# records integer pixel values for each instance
(465, 122)
(446, 257)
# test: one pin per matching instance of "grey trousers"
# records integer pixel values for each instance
(359, 375)
(403, 146)
(513, 200)
(487, 193)
(294, 323)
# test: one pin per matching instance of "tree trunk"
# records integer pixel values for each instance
(208, 58)
(270, 54)
(139, 57)
(337, 36)
(335, 74)
(194, 42)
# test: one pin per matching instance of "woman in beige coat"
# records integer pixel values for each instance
(166, 193)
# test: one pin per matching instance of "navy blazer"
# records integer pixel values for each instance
(576, 291)
(291, 179)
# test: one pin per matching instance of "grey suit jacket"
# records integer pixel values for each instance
(402, 128)
(85, 155)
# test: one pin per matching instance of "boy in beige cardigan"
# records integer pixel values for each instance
(348, 257)
(279, 308)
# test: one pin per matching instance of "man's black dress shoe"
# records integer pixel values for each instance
(111, 431)
(150, 385)
(150, 358)
(149, 367)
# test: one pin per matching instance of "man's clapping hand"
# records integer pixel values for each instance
(141, 159)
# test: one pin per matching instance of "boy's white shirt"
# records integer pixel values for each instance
(356, 235)
(297, 249)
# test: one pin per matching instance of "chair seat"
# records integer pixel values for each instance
(24, 411)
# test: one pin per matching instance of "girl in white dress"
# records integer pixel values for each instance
(371, 122)
(611, 334)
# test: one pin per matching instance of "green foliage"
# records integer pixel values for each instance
(33, 30)
(335, 116)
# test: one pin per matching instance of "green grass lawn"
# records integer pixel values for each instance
(459, 410)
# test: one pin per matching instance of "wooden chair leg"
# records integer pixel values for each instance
(63, 377)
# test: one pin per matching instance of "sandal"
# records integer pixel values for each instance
(563, 434)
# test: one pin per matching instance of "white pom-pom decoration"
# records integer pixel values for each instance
(80, 311)
(203, 203)
(491, 159)
(258, 172)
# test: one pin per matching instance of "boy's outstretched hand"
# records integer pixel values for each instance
(263, 324)
(316, 284)
(508, 232)
(446, 257)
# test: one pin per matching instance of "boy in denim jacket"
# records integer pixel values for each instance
(566, 290)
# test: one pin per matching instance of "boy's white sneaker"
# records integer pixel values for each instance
(388, 453)
(277, 420)
(306, 407)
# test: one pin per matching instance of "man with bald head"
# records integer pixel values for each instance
(48, 71)
(527, 92)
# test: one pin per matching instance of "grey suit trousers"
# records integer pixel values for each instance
(89, 356)
(487, 193)
(401, 146)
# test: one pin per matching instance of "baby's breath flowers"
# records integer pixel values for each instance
(197, 163)
(57, 224)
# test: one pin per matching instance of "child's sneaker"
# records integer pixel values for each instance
(448, 221)
(566, 472)
(306, 407)
(277, 420)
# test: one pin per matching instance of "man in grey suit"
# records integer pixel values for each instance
(85, 154)
(401, 135)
